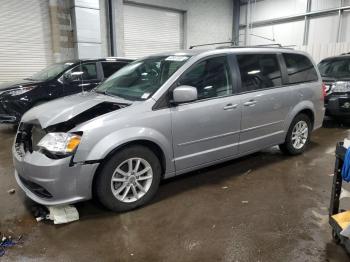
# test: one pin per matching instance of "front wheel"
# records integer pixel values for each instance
(129, 179)
(298, 135)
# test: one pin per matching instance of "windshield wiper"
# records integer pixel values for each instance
(30, 79)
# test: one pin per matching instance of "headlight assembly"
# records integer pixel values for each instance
(60, 143)
(341, 87)
(20, 90)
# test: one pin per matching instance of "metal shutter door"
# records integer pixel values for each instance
(150, 30)
(25, 38)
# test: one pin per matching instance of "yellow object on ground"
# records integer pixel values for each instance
(343, 219)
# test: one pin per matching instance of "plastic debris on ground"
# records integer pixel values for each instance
(58, 214)
(248, 172)
(6, 242)
(11, 191)
(63, 214)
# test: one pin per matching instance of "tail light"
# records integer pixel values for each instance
(324, 90)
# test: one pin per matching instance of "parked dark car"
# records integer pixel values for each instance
(55, 81)
(335, 72)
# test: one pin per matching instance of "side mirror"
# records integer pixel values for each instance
(183, 94)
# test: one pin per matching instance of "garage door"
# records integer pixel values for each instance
(150, 30)
(25, 43)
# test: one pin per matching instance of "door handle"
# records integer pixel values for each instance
(230, 106)
(250, 103)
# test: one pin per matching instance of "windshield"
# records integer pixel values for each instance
(50, 72)
(140, 79)
(335, 68)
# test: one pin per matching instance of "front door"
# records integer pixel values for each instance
(206, 130)
(81, 78)
(265, 102)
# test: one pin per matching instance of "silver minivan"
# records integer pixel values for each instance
(165, 115)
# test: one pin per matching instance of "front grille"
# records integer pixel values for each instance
(37, 134)
(35, 188)
(28, 137)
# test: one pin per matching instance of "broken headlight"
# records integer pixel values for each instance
(341, 87)
(60, 143)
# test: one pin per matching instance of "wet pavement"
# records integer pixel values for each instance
(264, 207)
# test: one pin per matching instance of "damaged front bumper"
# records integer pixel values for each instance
(53, 181)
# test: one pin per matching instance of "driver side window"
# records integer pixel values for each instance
(211, 77)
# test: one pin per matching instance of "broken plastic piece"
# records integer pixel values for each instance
(5, 243)
(11, 191)
(62, 214)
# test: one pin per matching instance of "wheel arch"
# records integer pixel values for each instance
(154, 147)
(305, 107)
(309, 113)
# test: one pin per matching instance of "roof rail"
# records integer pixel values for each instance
(267, 45)
(218, 43)
(235, 46)
(348, 53)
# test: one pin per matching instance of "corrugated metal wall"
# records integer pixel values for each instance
(322, 39)
(25, 38)
(321, 51)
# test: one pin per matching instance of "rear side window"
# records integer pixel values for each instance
(109, 68)
(259, 71)
(299, 69)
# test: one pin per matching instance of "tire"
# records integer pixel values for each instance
(290, 146)
(107, 191)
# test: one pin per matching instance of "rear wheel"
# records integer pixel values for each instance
(129, 179)
(298, 135)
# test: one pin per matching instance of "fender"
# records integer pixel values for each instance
(302, 105)
(120, 137)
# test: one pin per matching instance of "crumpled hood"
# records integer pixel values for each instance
(15, 84)
(66, 108)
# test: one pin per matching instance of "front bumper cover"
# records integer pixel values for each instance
(63, 182)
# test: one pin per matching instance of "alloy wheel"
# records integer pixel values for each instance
(131, 180)
(300, 134)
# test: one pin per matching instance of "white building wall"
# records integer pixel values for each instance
(269, 9)
(322, 37)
